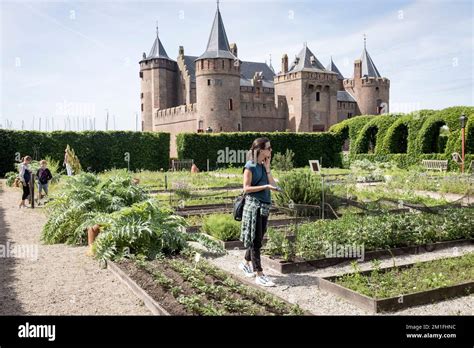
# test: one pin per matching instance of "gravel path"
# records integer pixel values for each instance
(62, 281)
(301, 288)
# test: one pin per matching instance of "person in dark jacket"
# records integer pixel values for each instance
(44, 176)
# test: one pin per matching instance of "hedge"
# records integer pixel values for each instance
(408, 139)
(96, 150)
(306, 146)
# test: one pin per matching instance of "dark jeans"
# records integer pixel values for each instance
(253, 253)
(26, 191)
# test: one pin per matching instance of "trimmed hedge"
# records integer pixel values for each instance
(375, 129)
(306, 146)
(408, 139)
(96, 150)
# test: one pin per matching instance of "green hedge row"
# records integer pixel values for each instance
(306, 146)
(96, 150)
(407, 139)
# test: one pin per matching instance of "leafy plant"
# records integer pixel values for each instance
(283, 162)
(221, 226)
(420, 277)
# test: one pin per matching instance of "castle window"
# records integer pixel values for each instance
(318, 96)
(238, 127)
(231, 104)
(264, 106)
(141, 95)
(141, 74)
(208, 82)
(223, 64)
(349, 114)
(202, 64)
(142, 106)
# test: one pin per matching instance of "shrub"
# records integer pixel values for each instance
(284, 161)
(221, 226)
(306, 146)
(83, 197)
(98, 150)
(303, 189)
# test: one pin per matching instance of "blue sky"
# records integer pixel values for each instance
(81, 58)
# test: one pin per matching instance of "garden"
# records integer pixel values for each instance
(166, 233)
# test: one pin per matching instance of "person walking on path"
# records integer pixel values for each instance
(257, 184)
(25, 177)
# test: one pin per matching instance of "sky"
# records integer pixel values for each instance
(80, 58)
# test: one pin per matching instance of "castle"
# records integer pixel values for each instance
(218, 92)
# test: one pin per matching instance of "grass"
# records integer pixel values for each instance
(421, 277)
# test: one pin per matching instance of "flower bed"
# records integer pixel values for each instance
(395, 288)
(184, 287)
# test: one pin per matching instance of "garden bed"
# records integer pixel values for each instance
(395, 288)
(179, 286)
(301, 265)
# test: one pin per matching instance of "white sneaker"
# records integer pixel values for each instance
(247, 269)
(264, 281)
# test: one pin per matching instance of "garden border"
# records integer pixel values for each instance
(285, 267)
(153, 306)
(393, 304)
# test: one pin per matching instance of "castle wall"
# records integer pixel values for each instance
(180, 119)
(259, 112)
(289, 88)
(344, 109)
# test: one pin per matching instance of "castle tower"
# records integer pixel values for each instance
(370, 89)
(218, 82)
(158, 74)
(309, 90)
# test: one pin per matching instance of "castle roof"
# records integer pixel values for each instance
(190, 63)
(248, 70)
(368, 67)
(217, 45)
(306, 61)
(344, 96)
(157, 50)
(332, 67)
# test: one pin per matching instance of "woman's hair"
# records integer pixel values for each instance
(26, 158)
(257, 145)
(43, 162)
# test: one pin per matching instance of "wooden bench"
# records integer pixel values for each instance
(178, 165)
(441, 165)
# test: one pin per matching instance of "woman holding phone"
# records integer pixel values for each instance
(257, 184)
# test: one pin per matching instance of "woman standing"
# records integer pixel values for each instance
(258, 182)
(25, 176)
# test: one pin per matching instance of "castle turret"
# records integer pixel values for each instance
(371, 90)
(218, 82)
(158, 74)
(284, 64)
(332, 67)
